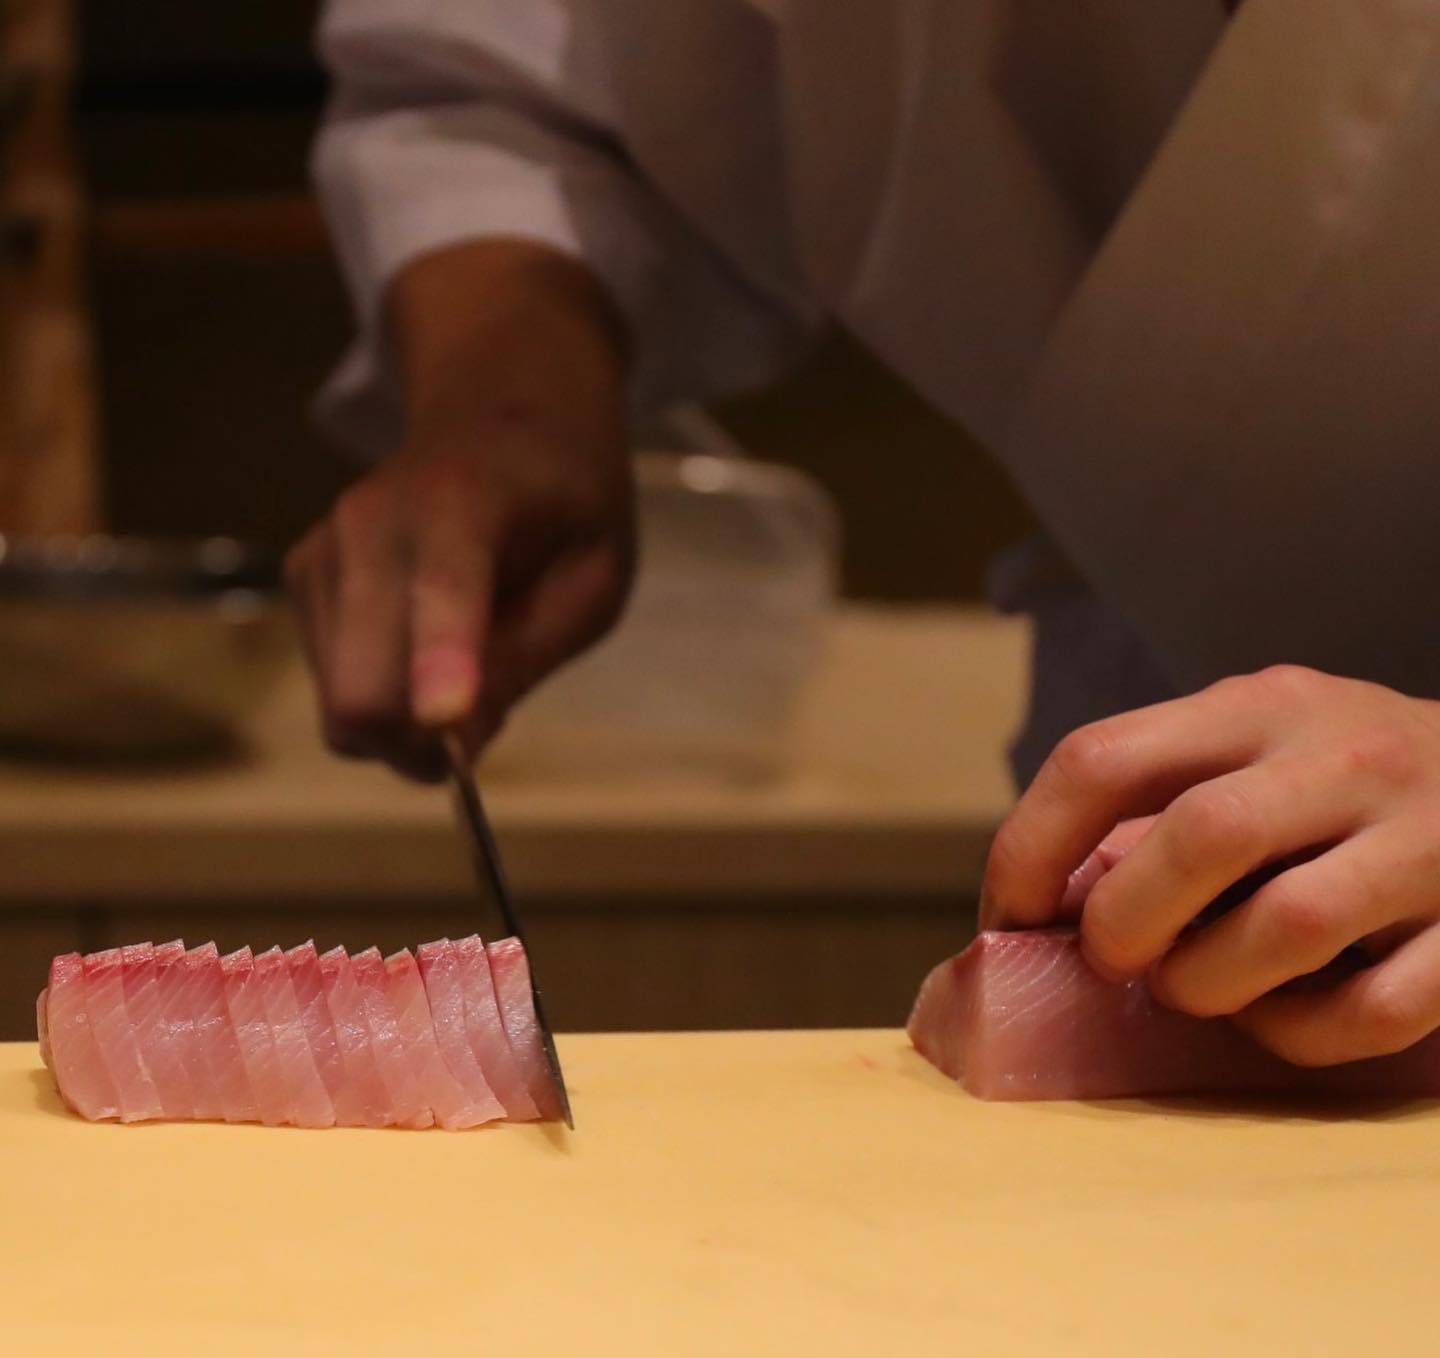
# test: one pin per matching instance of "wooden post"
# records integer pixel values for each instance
(49, 475)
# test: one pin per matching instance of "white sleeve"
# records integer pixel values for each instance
(464, 119)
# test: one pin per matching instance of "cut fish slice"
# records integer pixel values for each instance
(115, 1037)
(449, 1100)
(215, 1039)
(304, 968)
(157, 1047)
(177, 1025)
(1022, 1016)
(440, 972)
(42, 1028)
(253, 1037)
(408, 1107)
(307, 1103)
(81, 1074)
(203, 999)
(352, 1039)
(488, 1039)
(511, 972)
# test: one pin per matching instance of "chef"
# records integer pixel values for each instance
(1174, 267)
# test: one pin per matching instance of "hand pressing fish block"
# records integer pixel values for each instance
(1022, 1016)
(145, 1033)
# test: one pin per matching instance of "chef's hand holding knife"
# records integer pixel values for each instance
(1139, 822)
(498, 542)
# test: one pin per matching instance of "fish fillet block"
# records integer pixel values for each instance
(1022, 1016)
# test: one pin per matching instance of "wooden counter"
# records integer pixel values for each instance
(897, 782)
(727, 1194)
(819, 899)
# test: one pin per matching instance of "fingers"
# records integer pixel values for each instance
(449, 582)
(1126, 766)
(1111, 850)
(1209, 838)
(450, 603)
(346, 580)
(1382, 1009)
(1364, 890)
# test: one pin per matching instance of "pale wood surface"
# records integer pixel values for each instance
(770, 1193)
(898, 781)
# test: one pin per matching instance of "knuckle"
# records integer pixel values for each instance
(1385, 753)
(1287, 684)
(1298, 916)
(1208, 824)
(1093, 756)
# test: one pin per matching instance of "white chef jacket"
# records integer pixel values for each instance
(1181, 275)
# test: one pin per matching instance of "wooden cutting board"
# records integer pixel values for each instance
(728, 1194)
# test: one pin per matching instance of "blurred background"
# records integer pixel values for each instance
(168, 307)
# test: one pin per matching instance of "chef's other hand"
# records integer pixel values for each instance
(1330, 788)
(498, 542)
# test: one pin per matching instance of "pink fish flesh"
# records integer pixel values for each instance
(144, 1033)
(1022, 1016)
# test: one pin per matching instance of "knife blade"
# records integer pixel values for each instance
(485, 854)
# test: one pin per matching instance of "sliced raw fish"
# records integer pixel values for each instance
(1023, 1016)
(304, 968)
(392, 1060)
(307, 1103)
(253, 1037)
(440, 972)
(115, 1037)
(177, 1024)
(145, 1032)
(203, 999)
(451, 1101)
(80, 1073)
(214, 1036)
(42, 1027)
(157, 1045)
(486, 1031)
(511, 973)
(352, 1039)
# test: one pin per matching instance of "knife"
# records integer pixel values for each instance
(491, 876)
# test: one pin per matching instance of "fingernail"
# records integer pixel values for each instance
(442, 688)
